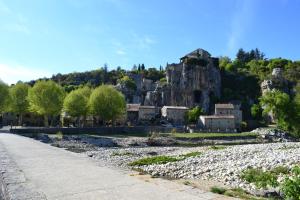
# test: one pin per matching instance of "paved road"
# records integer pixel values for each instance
(52, 173)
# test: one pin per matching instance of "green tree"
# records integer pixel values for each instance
(278, 63)
(46, 98)
(279, 104)
(256, 111)
(4, 96)
(18, 100)
(223, 62)
(128, 82)
(76, 103)
(107, 103)
(192, 115)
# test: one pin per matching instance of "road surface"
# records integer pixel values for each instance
(35, 170)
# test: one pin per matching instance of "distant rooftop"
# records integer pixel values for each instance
(147, 107)
(226, 105)
(176, 107)
(133, 107)
(217, 116)
(197, 53)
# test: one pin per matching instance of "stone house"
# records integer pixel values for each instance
(174, 114)
(227, 118)
(230, 109)
(147, 113)
(218, 123)
(133, 113)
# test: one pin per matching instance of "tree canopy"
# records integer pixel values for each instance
(128, 82)
(4, 95)
(192, 115)
(46, 98)
(107, 103)
(76, 102)
(19, 99)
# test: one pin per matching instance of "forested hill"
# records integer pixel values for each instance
(241, 77)
(102, 75)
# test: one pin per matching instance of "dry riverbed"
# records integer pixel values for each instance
(220, 166)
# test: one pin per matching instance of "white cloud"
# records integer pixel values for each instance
(12, 21)
(120, 52)
(4, 9)
(143, 42)
(240, 22)
(17, 27)
(11, 74)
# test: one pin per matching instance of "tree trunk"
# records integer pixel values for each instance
(21, 119)
(46, 122)
(84, 121)
(78, 122)
(52, 121)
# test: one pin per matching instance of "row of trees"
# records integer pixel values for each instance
(48, 99)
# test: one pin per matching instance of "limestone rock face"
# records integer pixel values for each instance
(158, 97)
(277, 81)
(194, 80)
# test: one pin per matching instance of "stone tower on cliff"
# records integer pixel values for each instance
(192, 82)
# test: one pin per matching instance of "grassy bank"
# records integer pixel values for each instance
(213, 135)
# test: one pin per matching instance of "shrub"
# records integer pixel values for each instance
(244, 125)
(218, 190)
(260, 178)
(280, 170)
(217, 147)
(192, 115)
(163, 159)
(191, 154)
(59, 135)
(154, 160)
(291, 185)
(173, 131)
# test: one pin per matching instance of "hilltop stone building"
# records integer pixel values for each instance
(192, 82)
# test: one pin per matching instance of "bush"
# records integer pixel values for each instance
(192, 115)
(191, 154)
(291, 185)
(260, 178)
(214, 147)
(244, 125)
(59, 135)
(280, 170)
(162, 159)
(173, 131)
(218, 190)
(154, 160)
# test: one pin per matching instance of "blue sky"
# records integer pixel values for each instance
(39, 38)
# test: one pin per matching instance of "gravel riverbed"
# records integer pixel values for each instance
(223, 165)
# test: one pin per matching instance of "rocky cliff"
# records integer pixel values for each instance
(192, 82)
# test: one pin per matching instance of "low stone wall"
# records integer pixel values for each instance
(98, 130)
